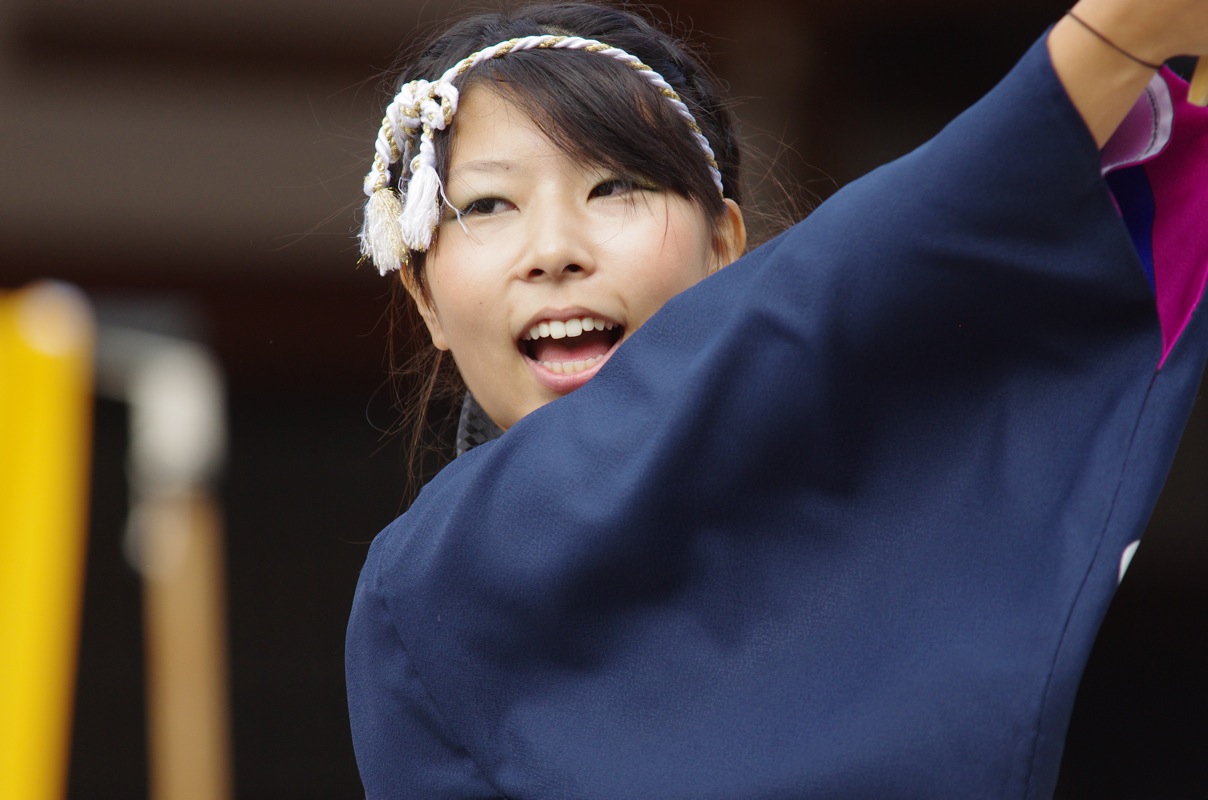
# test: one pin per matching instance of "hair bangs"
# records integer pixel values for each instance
(597, 111)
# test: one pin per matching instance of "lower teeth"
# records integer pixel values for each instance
(570, 367)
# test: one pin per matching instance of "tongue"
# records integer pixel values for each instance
(579, 348)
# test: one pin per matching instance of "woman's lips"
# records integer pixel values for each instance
(563, 382)
(566, 353)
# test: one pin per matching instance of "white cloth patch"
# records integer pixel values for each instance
(1126, 558)
(1144, 132)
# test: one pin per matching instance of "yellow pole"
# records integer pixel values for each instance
(1198, 92)
(46, 340)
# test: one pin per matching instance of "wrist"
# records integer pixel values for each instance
(1120, 26)
(1111, 43)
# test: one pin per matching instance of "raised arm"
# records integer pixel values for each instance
(1105, 73)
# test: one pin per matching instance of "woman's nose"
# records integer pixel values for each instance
(559, 243)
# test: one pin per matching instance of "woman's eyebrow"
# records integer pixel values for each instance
(485, 166)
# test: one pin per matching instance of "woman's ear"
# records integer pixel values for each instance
(731, 237)
(427, 310)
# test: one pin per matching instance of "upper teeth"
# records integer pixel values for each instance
(559, 329)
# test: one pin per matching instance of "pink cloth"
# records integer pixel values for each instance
(1169, 137)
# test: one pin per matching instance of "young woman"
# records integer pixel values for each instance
(840, 520)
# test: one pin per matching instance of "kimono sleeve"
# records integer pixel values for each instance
(402, 748)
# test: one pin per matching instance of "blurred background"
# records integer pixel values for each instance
(195, 167)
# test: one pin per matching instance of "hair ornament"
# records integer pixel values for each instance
(400, 221)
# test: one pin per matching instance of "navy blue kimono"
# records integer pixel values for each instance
(840, 521)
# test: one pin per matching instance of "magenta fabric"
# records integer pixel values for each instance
(1180, 187)
(1163, 135)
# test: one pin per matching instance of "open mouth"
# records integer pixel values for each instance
(568, 347)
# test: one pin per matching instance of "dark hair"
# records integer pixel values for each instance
(595, 109)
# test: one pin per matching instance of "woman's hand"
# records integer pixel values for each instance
(1104, 82)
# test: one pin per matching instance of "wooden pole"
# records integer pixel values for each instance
(175, 540)
(184, 612)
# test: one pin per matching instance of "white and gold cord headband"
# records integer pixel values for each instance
(397, 222)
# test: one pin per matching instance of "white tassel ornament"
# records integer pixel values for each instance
(421, 213)
(421, 210)
(381, 236)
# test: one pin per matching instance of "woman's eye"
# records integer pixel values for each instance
(485, 206)
(619, 186)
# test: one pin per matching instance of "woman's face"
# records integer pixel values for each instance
(551, 263)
